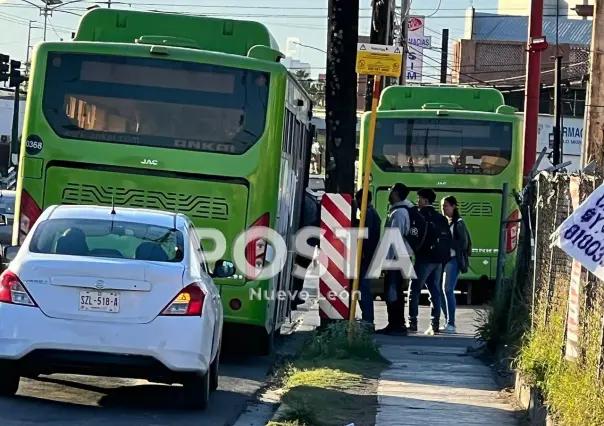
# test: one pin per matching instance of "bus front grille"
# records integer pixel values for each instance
(476, 208)
(194, 206)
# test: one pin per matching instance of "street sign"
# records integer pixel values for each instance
(376, 59)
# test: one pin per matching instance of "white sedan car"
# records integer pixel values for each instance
(112, 292)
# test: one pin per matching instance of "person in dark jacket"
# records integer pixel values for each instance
(458, 263)
(311, 216)
(373, 223)
(428, 271)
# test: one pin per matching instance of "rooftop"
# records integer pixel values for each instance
(489, 26)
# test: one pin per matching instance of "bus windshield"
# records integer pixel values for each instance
(442, 146)
(155, 102)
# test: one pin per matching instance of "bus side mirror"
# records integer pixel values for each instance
(223, 269)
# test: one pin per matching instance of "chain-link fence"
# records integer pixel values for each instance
(563, 326)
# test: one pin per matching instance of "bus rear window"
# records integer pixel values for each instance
(443, 146)
(155, 102)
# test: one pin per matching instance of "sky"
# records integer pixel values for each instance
(303, 19)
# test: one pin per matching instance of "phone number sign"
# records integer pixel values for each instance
(581, 235)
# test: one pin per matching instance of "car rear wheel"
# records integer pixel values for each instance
(9, 380)
(214, 371)
(197, 391)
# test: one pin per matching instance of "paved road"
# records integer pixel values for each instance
(65, 400)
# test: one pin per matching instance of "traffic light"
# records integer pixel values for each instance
(4, 67)
(15, 76)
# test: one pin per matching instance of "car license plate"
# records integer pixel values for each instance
(100, 301)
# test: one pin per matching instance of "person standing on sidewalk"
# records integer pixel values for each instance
(399, 217)
(429, 262)
(458, 260)
(373, 223)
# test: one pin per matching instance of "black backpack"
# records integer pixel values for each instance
(439, 240)
(418, 228)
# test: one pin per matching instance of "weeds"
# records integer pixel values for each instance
(332, 381)
(572, 391)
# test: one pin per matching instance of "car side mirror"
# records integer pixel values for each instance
(223, 269)
(3, 220)
(9, 253)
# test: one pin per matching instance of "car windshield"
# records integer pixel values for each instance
(107, 238)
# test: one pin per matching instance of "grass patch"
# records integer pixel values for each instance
(333, 381)
(572, 391)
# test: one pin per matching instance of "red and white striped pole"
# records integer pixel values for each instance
(334, 286)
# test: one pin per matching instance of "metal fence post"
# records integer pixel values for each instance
(502, 236)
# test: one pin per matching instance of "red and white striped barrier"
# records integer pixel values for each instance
(336, 212)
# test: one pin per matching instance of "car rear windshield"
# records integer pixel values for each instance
(155, 102)
(106, 238)
(443, 146)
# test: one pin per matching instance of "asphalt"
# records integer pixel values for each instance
(65, 400)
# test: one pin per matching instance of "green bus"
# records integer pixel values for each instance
(189, 114)
(459, 141)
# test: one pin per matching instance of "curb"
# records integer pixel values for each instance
(531, 400)
(280, 413)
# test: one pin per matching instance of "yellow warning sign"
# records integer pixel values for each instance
(377, 59)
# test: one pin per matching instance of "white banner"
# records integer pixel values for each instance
(581, 235)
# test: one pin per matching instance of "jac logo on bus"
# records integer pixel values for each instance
(148, 162)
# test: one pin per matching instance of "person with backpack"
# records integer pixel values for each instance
(429, 262)
(458, 260)
(404, 217)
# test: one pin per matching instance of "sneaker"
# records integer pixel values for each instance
(393, 331)
(431, 331)
(412, 328)
(450, 329)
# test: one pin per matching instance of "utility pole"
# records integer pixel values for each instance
(403, 41)
(593, 146)
(380, 34)
(444, 56)
(536, 44)
(341, 95)
(28, 41)
(557, 151)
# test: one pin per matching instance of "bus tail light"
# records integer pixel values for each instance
(512, 231)
(30, 212)
(256, 249)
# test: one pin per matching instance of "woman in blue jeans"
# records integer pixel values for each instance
(457, 264)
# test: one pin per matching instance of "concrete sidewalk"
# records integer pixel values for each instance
(433, 382)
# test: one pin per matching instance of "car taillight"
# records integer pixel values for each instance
(512, 229)
(30, 212)
(13, 291)
(256, 248)
(189, 302)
